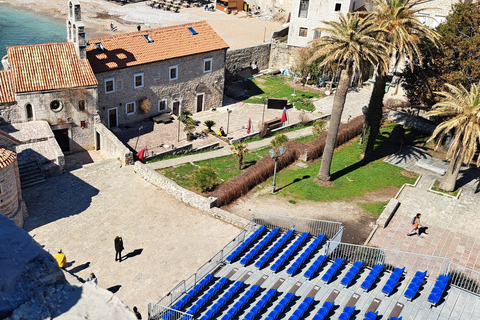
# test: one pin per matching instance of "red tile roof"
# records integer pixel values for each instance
(130, 49)
(48, 67)
(6, 88)
(7, 157)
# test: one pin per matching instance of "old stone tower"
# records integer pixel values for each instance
(76, 28)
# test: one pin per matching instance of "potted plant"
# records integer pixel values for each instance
(209, 124)
(189, 128)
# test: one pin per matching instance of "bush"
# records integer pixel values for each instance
(278, 141)
(319, 127)
(206, 179)
(209, 124)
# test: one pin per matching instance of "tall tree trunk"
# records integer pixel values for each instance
(337, 109)
(373, 118)
(450, 179)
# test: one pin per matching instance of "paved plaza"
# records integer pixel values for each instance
(452, 223)
(165, 240)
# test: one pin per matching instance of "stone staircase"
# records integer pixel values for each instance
(30, 174)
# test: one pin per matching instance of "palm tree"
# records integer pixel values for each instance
(404, 33)
(239, 151)
(351, 44)
(461, 108)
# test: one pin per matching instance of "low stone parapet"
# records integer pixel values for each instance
(388, 213)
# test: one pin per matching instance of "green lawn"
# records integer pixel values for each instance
(375, 209)
(276, 87)
(352, 177)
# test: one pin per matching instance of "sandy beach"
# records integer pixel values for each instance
(237, 30)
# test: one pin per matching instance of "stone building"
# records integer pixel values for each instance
(146, 73)
(11, 203)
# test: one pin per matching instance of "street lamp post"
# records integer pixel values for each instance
(228, 118)
(265, 99)
(178, 134)
(275, 156)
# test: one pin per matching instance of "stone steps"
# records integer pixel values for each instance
(30, 174)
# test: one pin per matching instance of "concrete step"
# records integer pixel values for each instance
(30, 174)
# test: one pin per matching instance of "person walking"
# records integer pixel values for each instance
(137, 314)
(118, 248)
(92, 278)
(416, 226)
(61, 259)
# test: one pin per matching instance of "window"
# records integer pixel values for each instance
(207, 65)
(162, 105)
(56, 105)
(147, 38)
(99, 45)
(303, 32)
(29, 112)
(173, 73)
(317, 34)
(303, 11)
(130, 107)
(338, 6)
(109, 85)
(138, 80)
(81, 105)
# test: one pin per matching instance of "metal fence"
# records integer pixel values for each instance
(464, 278)
(166, 313)
(185, 285)
(315, 227)
(392, 259)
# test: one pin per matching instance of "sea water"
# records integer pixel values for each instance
(18, 27)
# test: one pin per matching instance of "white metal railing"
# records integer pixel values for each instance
(315, 227)
(464, 278)
(161, 312)
(391, 258)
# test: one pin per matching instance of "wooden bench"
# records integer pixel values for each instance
(274, 123)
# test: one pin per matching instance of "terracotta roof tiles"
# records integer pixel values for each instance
(6, 88)
(7, 157)
(130, 49)
(48, 67)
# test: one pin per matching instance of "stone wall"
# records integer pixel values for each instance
(192, 81)
(110, 147)
(239, 60)
(11, 203)
(187, 196)
(418, 123)
(281, 56)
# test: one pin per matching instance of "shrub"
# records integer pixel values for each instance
(239, 151)
(279, 141)
(303, 118)
(206, 179)
(189, 126)
(209, 124)
(319, 127)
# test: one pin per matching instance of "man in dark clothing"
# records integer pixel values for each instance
(135, 310)
(118, 248)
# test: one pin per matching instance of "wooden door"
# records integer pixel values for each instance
(176, 108)
(200, 100)
(112, 118)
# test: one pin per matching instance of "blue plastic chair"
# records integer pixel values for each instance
(415, 285)
(371, 315)
(392, 281)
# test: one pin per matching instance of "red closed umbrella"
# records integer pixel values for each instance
(249, 125)
(141, 155)
(284, 115)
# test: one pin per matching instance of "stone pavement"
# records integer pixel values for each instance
(165, 240)
(453, 230)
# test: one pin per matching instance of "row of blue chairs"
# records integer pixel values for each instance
(244, 299)
(371, 315)
(306, 254)
(315, 266)
(207, 296)
(189, 296)
(259, 247)
(351, 274)
(328, 276)
(392, 281)
(438, 289)
(223, 300)
(324, 310)
(414, 285)
(347, 313)
(241, 248)
(260, 304)
(287, 254)
(372, 276)
(302, 308)
(282, 305)
(274, 249)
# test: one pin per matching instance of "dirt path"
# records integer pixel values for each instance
(357, 224)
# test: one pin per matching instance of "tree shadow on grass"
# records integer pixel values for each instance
(294, 181)
(248, 164)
